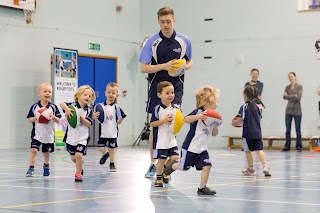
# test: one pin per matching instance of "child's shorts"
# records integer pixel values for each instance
(165, 153)
(112, 142)
(77, 148)
(46, 147)
(190, 159)
(252, 144)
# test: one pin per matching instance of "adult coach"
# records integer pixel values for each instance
(254, 73)
(293, 93)
(157, 57)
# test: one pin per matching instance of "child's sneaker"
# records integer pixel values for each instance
(158, 183)
(46, 171)
(248, 171)
(30, 172)
(165, 178)
(266, 171)
(78, 178)
(112, 168)
(104, 158)
(206, 191)
(151, 171)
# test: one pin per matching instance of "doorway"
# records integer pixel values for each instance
(97, 71)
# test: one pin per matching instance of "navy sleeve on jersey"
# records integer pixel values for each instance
(119, 113)
(56, 111)
(31, 111)
(89, 115)
(155, 116)
(241, 112)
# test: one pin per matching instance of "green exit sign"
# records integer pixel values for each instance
(93, 46)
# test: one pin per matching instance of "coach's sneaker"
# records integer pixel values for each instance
(78, 178)
(248, 171)
(151, 171)
(104, 158)
(266, 171)
(165, 178)
(30, 172)
(46, 171)
(158, 183)
(206, 191)
(112, 168)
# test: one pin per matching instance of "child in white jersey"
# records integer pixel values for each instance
(194, 149)
(43, 131)
(77, 138)
(108, 130)
(164, 142)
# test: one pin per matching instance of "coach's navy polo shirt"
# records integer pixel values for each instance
(251, 115)
(160, 49)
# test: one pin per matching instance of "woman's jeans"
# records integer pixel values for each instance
(297, 122)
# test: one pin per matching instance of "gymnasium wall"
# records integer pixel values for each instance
(25, 57)
(269, 35)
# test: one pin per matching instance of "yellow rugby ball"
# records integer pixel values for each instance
(178, 68)
(177, 122)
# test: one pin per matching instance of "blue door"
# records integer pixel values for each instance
(97, 73)
(104, 73)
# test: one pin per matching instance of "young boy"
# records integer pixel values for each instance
(108, 130)
(77, 138)
(43, 129)
(250, 115)
(164, 142)
(194, 148)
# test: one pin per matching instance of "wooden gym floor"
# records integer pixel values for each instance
(293, 187)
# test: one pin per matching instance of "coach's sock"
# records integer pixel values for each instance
(46, 165)
(32, 167)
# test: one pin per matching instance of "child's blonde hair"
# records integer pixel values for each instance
(81, 90)
(112, 84)
(206, 95)
(43, 84)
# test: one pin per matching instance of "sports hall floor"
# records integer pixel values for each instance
(294, 186)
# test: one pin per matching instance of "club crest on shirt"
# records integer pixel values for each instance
(177, 50)
(109, 117)
(205, 131)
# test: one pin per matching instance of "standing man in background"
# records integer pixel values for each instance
(157, 57)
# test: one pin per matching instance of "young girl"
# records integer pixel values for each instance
(194, 149)
(77, 138)
(250, 115)
(164, 141)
